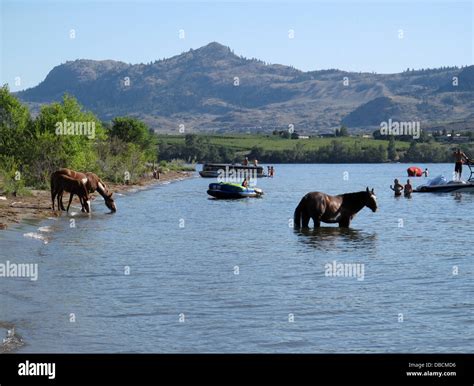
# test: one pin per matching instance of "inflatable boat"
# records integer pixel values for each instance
(440, 184)
(414, 171)
(228, 190)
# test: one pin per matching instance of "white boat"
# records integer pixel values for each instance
(440, 184)
(448, 187)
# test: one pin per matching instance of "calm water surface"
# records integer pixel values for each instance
(183, 251)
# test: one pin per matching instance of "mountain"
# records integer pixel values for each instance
(211, 88)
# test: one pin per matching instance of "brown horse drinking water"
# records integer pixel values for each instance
(94, 183)
(61, 183)
(332, 209)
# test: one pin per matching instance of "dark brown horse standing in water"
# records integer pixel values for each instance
(61, 183)
(332, 209)
(93, 184)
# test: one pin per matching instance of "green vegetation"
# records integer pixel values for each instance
(64, 135)
(277, 149)
(175, 166)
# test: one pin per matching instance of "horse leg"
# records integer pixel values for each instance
(305, 219)
(53, 196)
(70, 200)
(317, 221)
(61, 200)
(83, 205)
(58, 197)
(344, 222)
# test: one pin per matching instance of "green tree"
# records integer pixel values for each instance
(343, 132)
(132, 130)
(15, 129)
(64, 136)
(412, 154)
(391, 149)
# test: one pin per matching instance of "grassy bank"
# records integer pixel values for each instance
(245, 142)
(275, 149)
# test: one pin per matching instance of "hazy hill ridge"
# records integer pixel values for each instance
(213, 88)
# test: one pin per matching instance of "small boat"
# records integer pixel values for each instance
(228, 190)
(238, 172)
(439, 184)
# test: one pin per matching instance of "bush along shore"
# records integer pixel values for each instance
(124, 153)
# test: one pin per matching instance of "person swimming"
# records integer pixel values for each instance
(397, 188)
(408, 189)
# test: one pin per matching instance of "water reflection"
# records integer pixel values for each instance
(327, 238)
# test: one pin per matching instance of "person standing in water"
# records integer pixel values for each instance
(397, 188)
(425, 173)
(460, 157)
(408, 189)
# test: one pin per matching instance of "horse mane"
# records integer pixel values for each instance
(354, 194)
(354, 200)
(103, 192)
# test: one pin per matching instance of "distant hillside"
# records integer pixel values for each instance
(211, 88)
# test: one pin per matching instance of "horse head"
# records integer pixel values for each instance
(371, 199)
(109, 202)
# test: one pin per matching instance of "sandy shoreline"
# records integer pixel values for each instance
(13, 210)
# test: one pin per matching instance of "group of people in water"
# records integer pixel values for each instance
(460, 158)
(399, 188)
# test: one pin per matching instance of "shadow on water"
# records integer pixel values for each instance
(327, 238)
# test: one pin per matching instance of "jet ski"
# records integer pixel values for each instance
(440, 184)
(228, 190)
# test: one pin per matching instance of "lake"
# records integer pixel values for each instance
(175, 271)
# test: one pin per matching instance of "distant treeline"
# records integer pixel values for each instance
(199, 148)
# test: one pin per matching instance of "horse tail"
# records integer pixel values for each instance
(297, 214)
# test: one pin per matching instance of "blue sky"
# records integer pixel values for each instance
(354, 36)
